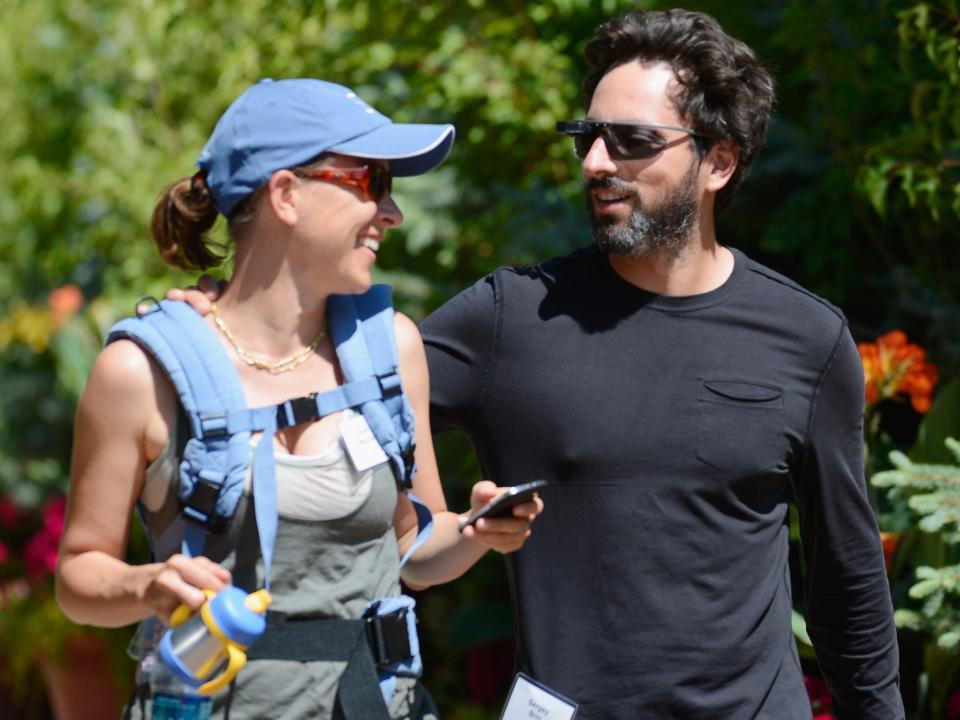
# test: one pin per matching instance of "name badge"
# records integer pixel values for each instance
(530, 700)
(361, 443)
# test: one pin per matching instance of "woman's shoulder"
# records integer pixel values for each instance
(126, 387)
(413, 358)
(124, 367)
(406, 331)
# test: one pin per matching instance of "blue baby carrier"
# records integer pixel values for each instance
(383, 643)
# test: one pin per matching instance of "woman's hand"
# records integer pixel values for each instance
(181, 580)
(504, 534)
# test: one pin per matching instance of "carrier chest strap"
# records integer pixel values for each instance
(292, 412)
(351, 395)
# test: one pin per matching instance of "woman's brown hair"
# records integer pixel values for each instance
(183, 215)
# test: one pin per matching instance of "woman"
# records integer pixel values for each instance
(301, 168)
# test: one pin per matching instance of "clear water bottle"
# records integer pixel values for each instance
(174, 699)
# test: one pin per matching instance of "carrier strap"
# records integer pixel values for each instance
(334, 639)
(361, 327)
(213, 468)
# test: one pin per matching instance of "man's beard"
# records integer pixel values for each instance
(666, 228)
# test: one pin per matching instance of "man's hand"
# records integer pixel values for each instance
(199, 296)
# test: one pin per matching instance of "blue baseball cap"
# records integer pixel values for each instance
(280, 124)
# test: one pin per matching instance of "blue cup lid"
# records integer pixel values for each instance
(235, 620)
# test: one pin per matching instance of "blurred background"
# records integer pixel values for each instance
(856, 196)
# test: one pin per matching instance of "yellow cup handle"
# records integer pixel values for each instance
(238, 659)
(185, 612)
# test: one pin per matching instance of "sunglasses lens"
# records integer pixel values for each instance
(622, 141)
(380, 182)
(630, 142)
(583, 143)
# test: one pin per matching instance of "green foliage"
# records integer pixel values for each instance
(106, 102)
(855, 195)
(920, 164)
(912, 175)
(922, 489)
(943, 421)
(935, 588)
(933, 491)
(32, 631)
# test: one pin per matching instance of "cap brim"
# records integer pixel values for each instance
(411, 149)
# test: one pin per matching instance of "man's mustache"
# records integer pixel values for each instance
(609, 183)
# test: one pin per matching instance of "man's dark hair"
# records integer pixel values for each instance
(723, 90)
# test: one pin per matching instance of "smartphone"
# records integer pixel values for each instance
(500, 505)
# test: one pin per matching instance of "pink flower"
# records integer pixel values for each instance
(953, 706)
(4, 553)
(9, 513)
(53, 516)
(40, 552)
(40, 555)
(820, 701)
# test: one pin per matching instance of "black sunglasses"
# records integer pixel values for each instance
(624, 140)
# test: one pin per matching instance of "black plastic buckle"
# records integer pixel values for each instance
(213, 425)
(297, 411)
(390, 384)
(388, 637)
(408, 464)
(201, 505)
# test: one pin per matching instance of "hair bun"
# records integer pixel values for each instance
(198, 183)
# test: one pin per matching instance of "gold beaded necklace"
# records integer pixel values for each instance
(279, 366)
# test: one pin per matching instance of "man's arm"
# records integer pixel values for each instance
(459, 338)
(849, 611)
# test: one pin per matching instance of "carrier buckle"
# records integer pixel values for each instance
(297, 411)
(388, 637)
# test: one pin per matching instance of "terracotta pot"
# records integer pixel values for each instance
(82, 685)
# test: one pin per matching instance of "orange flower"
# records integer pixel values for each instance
(64, 301)
(890, 541)
(892, 366)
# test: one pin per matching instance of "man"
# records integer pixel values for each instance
(678, 395)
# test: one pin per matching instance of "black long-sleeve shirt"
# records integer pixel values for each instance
(676, 430)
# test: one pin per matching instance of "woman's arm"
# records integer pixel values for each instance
(448, 553)
(122, 424)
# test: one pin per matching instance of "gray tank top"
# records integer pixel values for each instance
(330, 568)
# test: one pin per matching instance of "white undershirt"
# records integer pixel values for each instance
(325, 486)
(320, 487)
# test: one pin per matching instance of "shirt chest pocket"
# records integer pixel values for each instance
(741, 427)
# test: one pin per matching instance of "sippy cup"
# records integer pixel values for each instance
(197, 644)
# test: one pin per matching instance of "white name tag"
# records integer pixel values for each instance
(529, 700)
(361, 443)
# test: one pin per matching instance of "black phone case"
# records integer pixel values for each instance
(500, 506)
